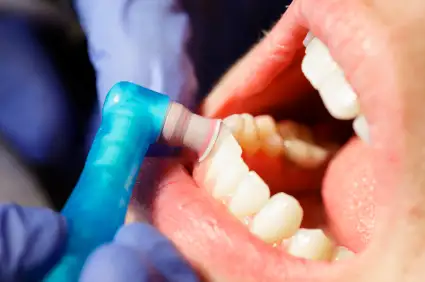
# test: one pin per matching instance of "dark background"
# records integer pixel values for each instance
(223, 30)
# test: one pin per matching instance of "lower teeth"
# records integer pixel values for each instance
(274, 220)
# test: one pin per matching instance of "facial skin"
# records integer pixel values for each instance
(380, 48)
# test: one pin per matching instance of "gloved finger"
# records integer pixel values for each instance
(31, 97)
(116, 263)
(156, 248)
(31, 241)
(139, 41)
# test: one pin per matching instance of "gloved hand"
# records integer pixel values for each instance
(140, 41)
(32, 240)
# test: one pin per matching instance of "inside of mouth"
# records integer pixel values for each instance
(312, 240)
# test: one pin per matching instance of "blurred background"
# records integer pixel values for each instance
(48, 96)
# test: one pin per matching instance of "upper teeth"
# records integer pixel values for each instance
(328, 78)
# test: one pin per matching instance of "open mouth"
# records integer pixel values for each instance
(284, 196)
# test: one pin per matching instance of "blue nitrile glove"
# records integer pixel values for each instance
(139, 253)
(31, 241)
(141, 41)
(33, 106)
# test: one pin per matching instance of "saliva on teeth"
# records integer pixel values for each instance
(328, 78)
(276, 219)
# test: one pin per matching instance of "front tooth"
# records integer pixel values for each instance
(338, 96)
(328, 78)
(231, 173)
(342, 253)
(308, 39)
(310, 244)
(279, 219)
(317, 63)
(225, 149)
(250, 196)
(361, 128)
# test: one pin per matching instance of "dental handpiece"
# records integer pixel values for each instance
(133, 118)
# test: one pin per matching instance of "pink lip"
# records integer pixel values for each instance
(355, 186)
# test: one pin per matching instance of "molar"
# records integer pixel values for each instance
(311, 244)
(342, 253)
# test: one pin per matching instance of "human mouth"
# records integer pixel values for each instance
(239, 222)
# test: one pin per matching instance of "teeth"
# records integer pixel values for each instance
(250, 196)
(361, 128)
(231, 174)
(292, 130)
(273, 145)
(225, 150)
(342, 253)
(318, 63)
(310, 244)
(279, 219)
(235, 123)
(305, 154)
(308, 39)
(266, 126)
(249, 139)
(328, 78)
(339, 97)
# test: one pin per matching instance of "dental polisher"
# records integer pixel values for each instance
(133, 118)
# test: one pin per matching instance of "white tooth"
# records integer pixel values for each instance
(310, 244)
(235, 124)
(251, 195)
(230, 175)
(266, 126)
(249, 139)
(273, 145)
(338, 96)
(225, 149)
(279, 219)
(328, 78)
(342, 253)
(308, 39)
(317, 63)
(361, 128)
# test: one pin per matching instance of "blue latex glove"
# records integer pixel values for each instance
(31, 241)
(139, 253)
(33, 105)
(141, 41)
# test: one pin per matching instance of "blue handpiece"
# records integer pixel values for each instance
(132, 120)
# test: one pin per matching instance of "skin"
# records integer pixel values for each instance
(378, 44)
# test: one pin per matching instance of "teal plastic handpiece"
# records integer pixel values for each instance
(132, 120)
